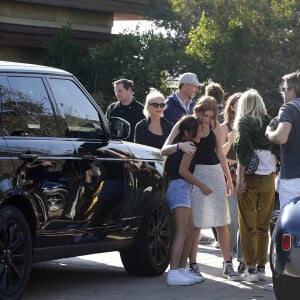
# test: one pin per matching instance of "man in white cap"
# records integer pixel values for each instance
(182, 101)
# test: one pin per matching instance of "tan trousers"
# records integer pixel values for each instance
(254, 210)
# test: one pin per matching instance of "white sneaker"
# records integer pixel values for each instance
(175, 277)
(261, 273)
(216, 244)
(251, 276)
(191, 275)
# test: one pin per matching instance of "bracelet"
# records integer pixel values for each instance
(177, 147)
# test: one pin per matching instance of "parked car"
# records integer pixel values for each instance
(69, 184)
(275, 213)
(285, 251)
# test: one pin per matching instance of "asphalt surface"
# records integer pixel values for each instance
(101, 276)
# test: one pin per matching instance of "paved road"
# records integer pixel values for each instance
(102, 276)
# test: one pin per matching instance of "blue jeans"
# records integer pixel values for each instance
(235, 246)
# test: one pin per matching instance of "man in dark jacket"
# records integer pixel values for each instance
(182, 101)
(126, 107)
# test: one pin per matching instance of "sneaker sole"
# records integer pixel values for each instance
(232, 278)
(180, 283)
(198, 280)
(250, 279)
(195, 278)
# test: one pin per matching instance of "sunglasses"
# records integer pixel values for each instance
(283, 89)
(157, 105)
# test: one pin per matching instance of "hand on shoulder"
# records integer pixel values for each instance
(188, 147)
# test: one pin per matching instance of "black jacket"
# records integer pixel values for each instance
(141, 133)
(132, 113)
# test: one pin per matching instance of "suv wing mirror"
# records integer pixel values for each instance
(119, 128)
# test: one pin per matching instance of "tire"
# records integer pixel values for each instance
(15, 253)
(286, 287)
(150, 253)
(271, 256)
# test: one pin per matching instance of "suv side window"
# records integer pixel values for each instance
(80, 116)
(26, 108)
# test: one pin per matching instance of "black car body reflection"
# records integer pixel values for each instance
(69, 185)
(285, 251)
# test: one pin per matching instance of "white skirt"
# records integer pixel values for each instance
(210, 211)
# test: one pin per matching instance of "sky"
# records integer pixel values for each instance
(120, 26)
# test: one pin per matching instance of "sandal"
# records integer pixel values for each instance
(204, 239)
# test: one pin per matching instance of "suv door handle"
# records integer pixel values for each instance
(28, 156)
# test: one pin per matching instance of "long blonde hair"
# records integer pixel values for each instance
(250, 104)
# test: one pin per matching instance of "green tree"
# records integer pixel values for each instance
(244, 43)
(63, 52)
(148, 59)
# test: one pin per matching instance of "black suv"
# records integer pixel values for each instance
(69, 185)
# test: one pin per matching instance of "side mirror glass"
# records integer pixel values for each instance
(119, 128)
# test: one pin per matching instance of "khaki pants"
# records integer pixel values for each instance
(254, 209)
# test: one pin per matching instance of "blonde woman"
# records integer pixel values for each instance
(255, 182)
(154, 129)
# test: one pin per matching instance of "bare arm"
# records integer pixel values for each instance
(281, 134)
(169, 148)
(225, 135)
(188, 176)
(222, 158)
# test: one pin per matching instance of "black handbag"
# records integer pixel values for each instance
(253, 164)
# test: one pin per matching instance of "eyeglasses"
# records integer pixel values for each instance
(157, 105)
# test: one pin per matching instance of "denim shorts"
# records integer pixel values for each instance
(178, 193)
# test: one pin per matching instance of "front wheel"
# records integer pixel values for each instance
(15, 253)
(150, 252)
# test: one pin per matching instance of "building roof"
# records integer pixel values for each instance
(25, 25)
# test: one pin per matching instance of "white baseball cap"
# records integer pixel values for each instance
(189, 78)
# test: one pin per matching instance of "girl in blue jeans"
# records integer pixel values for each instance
(179, 172)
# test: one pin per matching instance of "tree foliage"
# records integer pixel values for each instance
(149, 59)
(238, 43)
(244, 43)
(63, 52)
